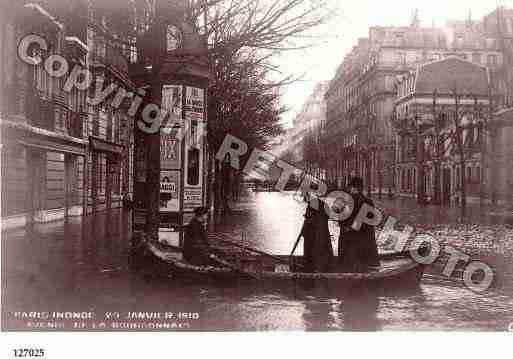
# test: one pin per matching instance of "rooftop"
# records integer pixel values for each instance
(452, 73)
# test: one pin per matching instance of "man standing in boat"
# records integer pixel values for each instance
(357, 249)
(318, 251)
(196, 248)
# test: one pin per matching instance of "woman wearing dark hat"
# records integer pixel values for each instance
(357, 249)
(318, 251)
(196, 248)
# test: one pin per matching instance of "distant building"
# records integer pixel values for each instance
(304, 137)
(427, 158)
(360, 100)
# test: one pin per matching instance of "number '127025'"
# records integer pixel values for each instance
(28, 353)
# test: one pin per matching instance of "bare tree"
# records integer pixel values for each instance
(241, 38)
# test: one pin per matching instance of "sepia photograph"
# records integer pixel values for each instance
(226, 166)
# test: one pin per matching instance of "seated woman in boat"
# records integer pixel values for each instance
(357, 249)
(318, 251)
(196, 248)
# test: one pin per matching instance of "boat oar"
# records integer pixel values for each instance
(249, 249)
(231, 266)
(291, 256)
(297, 243)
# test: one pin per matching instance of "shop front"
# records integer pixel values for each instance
(104, 176)
(42, 176)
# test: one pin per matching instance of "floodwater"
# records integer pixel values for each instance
(55, 273)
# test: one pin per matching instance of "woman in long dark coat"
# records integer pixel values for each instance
(196, 247)
(357, 249)
(318, 251)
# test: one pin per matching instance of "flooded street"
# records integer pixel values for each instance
(84, 266)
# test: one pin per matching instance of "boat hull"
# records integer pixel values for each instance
(397, 269)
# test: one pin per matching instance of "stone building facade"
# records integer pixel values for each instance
(361, 96)
(60, 156)
(439, 104)
(308, 124)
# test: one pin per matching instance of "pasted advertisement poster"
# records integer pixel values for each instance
(192, 198)
(194, 164)
(172, 101)
(170, 151)
(194, 103)
(169, 191)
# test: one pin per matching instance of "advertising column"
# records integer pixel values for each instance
(171, 166)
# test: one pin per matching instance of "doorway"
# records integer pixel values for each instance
(446, 186)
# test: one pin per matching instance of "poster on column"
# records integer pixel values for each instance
(172, 102)
(170, 150)
(192, 198)
(194, 103)
(169, 191)
(194, 161)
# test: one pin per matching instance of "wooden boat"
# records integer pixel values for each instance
(395, 269)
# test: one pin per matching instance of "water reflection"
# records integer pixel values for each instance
(84, 265)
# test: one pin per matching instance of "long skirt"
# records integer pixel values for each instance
(318, 251)
(357, 251)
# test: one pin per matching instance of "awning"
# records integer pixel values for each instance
(97, 144)
(52, 146)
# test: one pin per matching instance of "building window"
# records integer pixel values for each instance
(115, 173)
(110, 120)
(476, 57)
(459, 40)
(96, 126)
(399, 37)
(100, 49)
(401, 58)
(492, 60)
(102, 175)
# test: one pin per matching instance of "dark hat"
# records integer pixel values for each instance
(356, 182)
(200, 211)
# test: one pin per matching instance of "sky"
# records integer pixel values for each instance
(352, 21)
